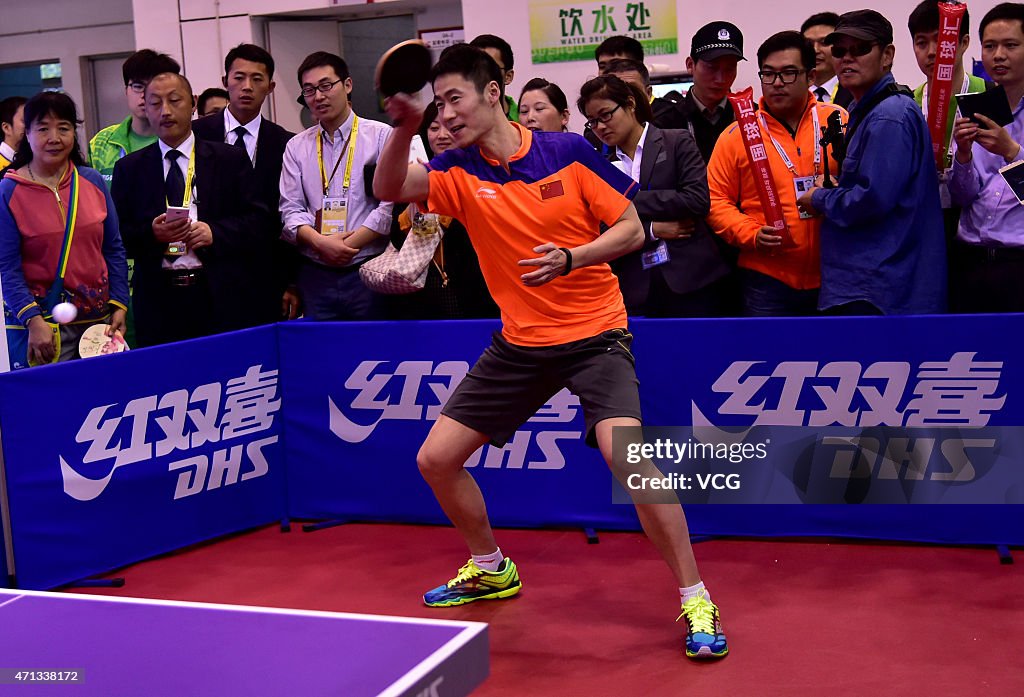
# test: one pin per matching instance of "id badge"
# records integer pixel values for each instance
(803, 185)
(333, 215)
(179, 248)
(656, 256)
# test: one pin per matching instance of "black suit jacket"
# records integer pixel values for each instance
(270, 144)
(673, 185)
(685, 114)
(843, 97)
(234, 263)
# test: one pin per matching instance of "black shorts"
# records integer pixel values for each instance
(509, 383)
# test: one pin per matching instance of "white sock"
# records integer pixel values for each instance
(489, 562)
(692, 591)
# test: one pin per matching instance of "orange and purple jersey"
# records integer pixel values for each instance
(557, 189)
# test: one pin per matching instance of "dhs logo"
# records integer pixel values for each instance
(415, 391)
(957, 392)
(220, 421)
(961, 392)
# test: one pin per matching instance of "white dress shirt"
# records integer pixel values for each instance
(631, 167)
(188, 260)
(302, 191)
(7, 151)
(830, 88)
(253, 129)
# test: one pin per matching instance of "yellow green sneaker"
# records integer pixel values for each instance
(704, 637)
(473, 583)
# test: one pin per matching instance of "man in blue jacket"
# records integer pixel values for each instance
(882, 247)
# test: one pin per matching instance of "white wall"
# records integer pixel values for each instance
(67, 31)
(756, 19)
(200, 32)
(190, 30)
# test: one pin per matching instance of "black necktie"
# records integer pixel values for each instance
(174, 185)
(821, 92)
(240, 134)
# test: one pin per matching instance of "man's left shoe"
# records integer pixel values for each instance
(704, 637)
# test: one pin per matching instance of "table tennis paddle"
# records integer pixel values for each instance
(95, 342)
(405, 67)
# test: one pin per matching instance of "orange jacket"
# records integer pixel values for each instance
(736, 212)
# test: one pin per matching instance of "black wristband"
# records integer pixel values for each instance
(568, 261)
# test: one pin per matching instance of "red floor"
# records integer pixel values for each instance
(803, 618)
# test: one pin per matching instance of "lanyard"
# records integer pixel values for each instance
(924, 107)
(70, 218)
(186, 201)
(784, 155)
(348, 146)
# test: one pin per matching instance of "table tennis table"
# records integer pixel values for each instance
(78, 645)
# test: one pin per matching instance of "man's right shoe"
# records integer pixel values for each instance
(473, 583)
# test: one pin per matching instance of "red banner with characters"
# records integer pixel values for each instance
(753, 142)
(940, 92)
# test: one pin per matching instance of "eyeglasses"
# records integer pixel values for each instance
(137, 87)
(859, 49)
(324, 87)
(601, 118)
(789, 76)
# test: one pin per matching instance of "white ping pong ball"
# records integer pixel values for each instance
(64, 313)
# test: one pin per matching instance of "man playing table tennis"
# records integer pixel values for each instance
(533, 204)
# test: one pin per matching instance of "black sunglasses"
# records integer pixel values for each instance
(857, 50)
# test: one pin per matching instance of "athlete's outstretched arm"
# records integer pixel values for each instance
(624, 236)
(395, 179)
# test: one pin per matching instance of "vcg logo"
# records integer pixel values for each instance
(957, 393)
(415, 391)
(180, 422)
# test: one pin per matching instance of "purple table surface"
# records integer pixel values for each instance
(149, 648)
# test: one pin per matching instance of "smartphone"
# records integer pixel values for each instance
(992, 103)
(1013, 175)
(175, 213)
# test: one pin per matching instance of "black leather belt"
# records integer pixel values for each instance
(977, 252)
(184, 278)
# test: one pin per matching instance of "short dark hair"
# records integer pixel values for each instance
(785, 40)
(822, 19)
(39, 107)
(322, 59)
(497, 43)
(925, 19)
(143, 65)
(250, 52)
(181, 79)
(9, 108)
(620, 46)
(617, 90)
(554, 93)
(209, 93)
(625, 65)
(471, 63)
(1008, 11)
